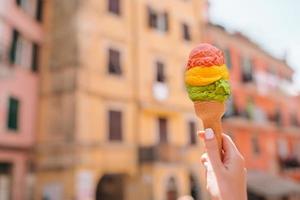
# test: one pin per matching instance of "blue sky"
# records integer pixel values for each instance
(274, 24)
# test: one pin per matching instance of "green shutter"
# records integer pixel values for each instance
(13, 47)
(13, 112)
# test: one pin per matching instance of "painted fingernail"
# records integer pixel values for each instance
(209, 134)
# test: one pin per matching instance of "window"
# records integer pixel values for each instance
(160, 72)
(13, 114)
(276, 116)
(24, 4)
(152, 18)
(254, 196)
(114, 7)
(247, 70)
(39, 10)
(13, 47)
(255, 145)
(249, 112)
(195, 190)
(162, 128)
(18, 2)
(5, 180)
(192, 132)
(158, 21)
(35, 57)
(115, 125)
(231, 110)
(163, 22)
(186, 32)
(114, 62)
(294, 120)
(172, 192)
(227, 58)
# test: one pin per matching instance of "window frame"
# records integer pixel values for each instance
(247, 69)
(112, 136)
(192, 134)
(39, 8)
(158, 20)
(228, 57)
(114, 7)
(162, 138)
(186, 32)
(110, 65)
(160, 78)
(35, 56)
(14, 47)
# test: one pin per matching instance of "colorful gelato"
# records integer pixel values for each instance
(206, 75)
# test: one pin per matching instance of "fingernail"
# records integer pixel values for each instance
(209, 134)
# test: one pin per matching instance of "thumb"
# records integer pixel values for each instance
(212, 149)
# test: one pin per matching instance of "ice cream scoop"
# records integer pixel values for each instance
(206, 80)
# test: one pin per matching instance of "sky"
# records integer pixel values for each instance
(273, 24)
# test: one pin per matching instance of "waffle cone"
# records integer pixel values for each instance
(211, 112)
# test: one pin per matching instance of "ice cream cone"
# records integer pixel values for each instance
(211, 112)
(207, 84)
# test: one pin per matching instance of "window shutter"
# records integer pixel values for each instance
(39, 10)
(186, 32)
(166, 18)
(114, 63)
(13, 112)
(163, 132)
(35, 57)
(13, 47)
(192, 132)
(114, 6)
(160, 72)
(115, 125)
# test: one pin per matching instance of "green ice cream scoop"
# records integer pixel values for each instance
(216, 91)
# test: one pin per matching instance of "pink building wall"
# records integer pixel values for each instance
(18, 18)
(19, 172)
(20, 82)
(23, 85)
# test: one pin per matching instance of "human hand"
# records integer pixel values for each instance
(225, 178)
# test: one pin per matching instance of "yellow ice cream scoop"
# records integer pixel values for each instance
(201, 76)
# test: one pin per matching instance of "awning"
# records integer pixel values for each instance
(269, 185)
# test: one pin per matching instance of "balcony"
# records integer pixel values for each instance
(290, 167)
(289, 163)
(160, 153)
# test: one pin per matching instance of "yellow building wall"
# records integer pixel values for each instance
(90, 92)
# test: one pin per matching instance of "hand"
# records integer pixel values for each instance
(226, 178)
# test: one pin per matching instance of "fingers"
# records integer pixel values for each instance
(228, 146)
(211, 146)
(231, 152)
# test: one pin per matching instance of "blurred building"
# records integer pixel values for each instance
(262, 116)
(115, 121)
(20, 38)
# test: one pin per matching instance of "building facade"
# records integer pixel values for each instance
(20, 39)
(262, 116)
(114, 119)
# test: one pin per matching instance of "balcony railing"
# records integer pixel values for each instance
(289, 163)
(161, 152)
